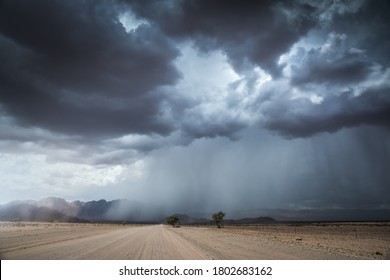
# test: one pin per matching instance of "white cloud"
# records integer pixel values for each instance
(129, 21)
(217, 100)
(316, 99)
(205, 90)
(32, 176)
(204, 75)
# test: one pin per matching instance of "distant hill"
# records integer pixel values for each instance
(58, 209)
(120, 210)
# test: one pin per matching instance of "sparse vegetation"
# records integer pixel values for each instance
(218, 218)
(173, 221)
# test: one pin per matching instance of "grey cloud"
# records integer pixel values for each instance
(70, 66)
(257, 34)
(254, 31)
(212, 128)
(333, 63)
(367, 26)
(302, 118)
(347, 72)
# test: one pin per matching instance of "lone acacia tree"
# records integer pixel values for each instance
(218, 218)
(173, 220)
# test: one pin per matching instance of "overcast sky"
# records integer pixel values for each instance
(196, 105)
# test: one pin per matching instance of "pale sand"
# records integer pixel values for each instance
(108, 242)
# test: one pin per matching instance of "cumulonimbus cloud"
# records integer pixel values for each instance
(76, 68)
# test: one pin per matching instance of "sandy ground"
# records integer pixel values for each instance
(108, 242)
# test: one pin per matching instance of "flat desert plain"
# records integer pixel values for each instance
(46, 241)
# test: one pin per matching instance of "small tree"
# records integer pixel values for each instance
(218, 218)
(172, 220)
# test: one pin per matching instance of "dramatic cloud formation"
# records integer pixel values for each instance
(75, 63)
(236, 104)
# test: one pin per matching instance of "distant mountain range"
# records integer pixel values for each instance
(58, 209)
(123, 210)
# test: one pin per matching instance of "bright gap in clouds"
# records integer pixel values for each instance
(204, 75)
(129, 21)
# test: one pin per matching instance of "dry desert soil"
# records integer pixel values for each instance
(61, 241)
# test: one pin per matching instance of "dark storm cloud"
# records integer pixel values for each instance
(369, 27)
(70, 66)
(209, 128)
(356, 38)
(323, 66)
(351, 89)
(348, 72)
(329, 116)
(343, 71)
(255, 32)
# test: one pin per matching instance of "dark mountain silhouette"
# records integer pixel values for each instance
(58, 209)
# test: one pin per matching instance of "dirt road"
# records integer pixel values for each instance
(109, 242)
